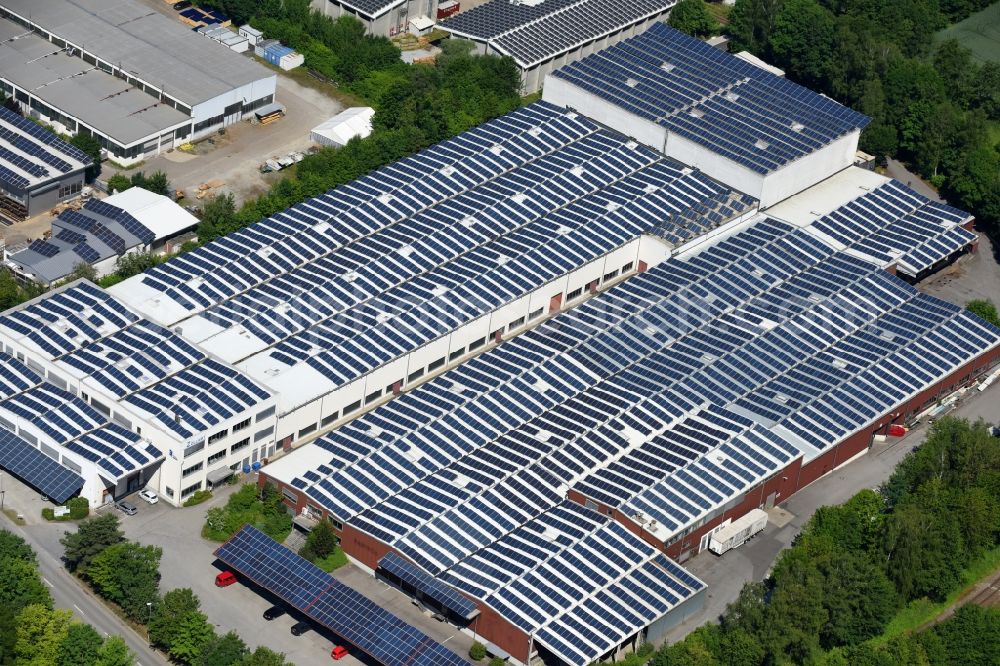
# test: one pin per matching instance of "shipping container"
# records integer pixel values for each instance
(736, 533)
(447, 8)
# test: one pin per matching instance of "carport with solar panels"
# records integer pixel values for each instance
(343, 298)
(38, 168)
(666, 399)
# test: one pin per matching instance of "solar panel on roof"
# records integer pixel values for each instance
(431, 587)
(330, 603)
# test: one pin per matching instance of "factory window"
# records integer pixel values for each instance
(190, 489)
(415, 375)
(434, 365)
(516, 323)
(205, 124)
(212, 439)
(574, 294)
(261, 434)
(327, 420)
(372, 397)
(100, 407)
(241, 425)
(7, 425)
(353, 407)
(264, 414)
(216, 456)
(308, 429)
(610, 276)
(455, 355)
(192, 469)
(242, 444)
(169, 491)
(627, 267)
(476, 344)
(194, 448)
(289, 495)
(535, 314)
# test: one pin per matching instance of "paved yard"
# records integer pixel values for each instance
(972, 276)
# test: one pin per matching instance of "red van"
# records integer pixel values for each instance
(225, 579)
(339, 652)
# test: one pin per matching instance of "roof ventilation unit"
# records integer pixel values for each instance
(447, 170)
(731, 96)
(519, 197)
(385, 198)
(577, 170)
(797, 126)
(695, 112)
(535, 131)
(631, 83)
(763, 145)
(667, 67)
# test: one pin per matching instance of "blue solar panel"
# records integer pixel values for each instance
(330, 603)
(429, 586)
(28, 463)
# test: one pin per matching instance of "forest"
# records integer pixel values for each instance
(932, 106)
(833, 597)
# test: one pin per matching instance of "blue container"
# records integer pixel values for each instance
(246, 469)
(256, 466)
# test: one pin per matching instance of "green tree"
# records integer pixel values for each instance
(91, 537)
(264, 656)
(155, 182)
(692, 17)
(127, 574)
(82, 271)
(114, 652)
(14, 547)
(80, 647)
(168, 613)
(218, 217)
(21, 585)
(802, 39)
(751, 23)
(985, 310)
(322, 540)
(119, 182)
(224, 650)
(192, 633)
(40, 633)
(89, 145)
(134, 263)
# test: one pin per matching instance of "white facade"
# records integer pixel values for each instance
(769, 188)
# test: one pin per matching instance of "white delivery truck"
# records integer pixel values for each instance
(737, 532)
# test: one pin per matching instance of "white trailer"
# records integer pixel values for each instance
(736, 533)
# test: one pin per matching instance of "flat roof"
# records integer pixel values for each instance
(107, 104)
(159, 51)
(163, 217)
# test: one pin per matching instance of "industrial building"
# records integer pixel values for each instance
(542, 36)
(384, 18)
(534, 368)
(135, 220)
(128, 75)
(37, 168)
(739, 123)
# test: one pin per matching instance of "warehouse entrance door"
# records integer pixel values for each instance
(769, 503)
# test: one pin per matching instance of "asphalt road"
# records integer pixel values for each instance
(68, 592)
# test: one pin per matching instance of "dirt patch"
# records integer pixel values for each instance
(971, 277)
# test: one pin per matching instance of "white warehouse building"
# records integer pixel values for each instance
(131, 77)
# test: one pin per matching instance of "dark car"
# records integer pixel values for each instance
(126, 508)
(273, 612)
(183, 4)
(300, 628)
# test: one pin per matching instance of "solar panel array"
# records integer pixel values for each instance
(894, 223)
(371, 8)
(66, 423)
(691, 364)
(27, 462)
(69, 319)
(735, 109)
(26, 148)
(123, 217)
(532, 33)
(350, 280)
(430, 587)
(328, 602)
(198, 398)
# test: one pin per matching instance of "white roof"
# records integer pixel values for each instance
(156, 212)
(757, 62)
(809, 205)
(349, 123)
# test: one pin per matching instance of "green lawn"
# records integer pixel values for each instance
(334, 560)
(918, 613)
(980, 33)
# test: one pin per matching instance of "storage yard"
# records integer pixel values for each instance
(531, 372)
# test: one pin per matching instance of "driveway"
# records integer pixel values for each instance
(726, 574)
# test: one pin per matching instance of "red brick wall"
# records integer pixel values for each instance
(494, 628)
(362, 547)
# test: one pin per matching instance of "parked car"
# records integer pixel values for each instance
(126, 508)
(225, 579)
(300, 628)
(339, 652)
(149, 496)
(183, 4)
(273, 612)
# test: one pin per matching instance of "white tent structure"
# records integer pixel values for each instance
(349, 123)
